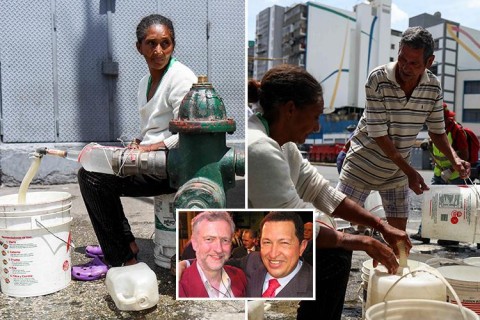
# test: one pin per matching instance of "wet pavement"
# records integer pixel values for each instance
(90, 300)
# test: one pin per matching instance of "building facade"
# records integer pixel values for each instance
(268, 40)
(457, 65)
(340, 48)
(294, 35)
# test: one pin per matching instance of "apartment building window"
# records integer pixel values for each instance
(392, 46)
(472, 87)
(473, 115)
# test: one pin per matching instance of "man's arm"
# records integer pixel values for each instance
(415, 180)
(330, 238)
(351, 211)
(441, 142)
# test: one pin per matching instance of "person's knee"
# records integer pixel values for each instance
(81, 175)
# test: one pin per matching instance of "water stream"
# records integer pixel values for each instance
(32, 171)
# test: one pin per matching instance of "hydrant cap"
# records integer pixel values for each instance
(202, 111)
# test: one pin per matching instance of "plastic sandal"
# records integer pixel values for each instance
(94, 251)
(93, 270)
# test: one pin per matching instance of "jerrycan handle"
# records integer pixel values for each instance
(439, 276)
(128, 301)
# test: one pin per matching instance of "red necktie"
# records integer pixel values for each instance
(273, 285)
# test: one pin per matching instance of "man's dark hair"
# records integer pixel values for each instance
(276, 216)
(419, 38)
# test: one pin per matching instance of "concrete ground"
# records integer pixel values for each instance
(90, 300)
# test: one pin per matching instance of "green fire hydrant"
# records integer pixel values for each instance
(202, 167)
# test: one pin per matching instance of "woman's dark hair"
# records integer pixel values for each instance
(419, 38)
(253, 86)
(154, 19)
(281, 84)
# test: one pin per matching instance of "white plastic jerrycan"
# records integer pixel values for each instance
(133, 287)
(422, 282)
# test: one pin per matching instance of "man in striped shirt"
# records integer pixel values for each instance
(401, 97)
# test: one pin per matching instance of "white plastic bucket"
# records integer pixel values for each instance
(373, 204)
(472, 261)
(367, 268)
(35, 245)
(451, 213)
(36, 202)
(466, 282)
(165, 230)
(417, 309)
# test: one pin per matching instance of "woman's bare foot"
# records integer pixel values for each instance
(131, 262)
(134, 247)
(135, 250)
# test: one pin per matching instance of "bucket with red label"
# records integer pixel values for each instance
(35, 243)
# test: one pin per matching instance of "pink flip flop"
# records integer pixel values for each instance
(93, 270)
(94, 251)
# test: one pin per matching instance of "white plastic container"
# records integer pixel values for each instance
(97, 158)
(452, 213)
(35, 243)
(373, 204)
(420, 285)
(466, 282)
(133, 288)
(367, 268)
(418, 309)
(37, 203)
(165, 230)
(472, 261)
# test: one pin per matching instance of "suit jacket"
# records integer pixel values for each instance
(188, 252)
(301, 285)
(236, 242)
(191, 285)
(241, 252)
(308, 252)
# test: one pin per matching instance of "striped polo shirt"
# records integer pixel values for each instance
(387, 112)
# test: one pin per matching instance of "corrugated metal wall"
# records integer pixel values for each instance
(52, 52)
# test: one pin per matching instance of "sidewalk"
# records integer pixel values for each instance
(90, 300)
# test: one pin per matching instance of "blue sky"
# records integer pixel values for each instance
(466, 12)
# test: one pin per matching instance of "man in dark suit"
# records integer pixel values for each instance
(308, 236)
(237, 238)
(249, 238)
(277, 270)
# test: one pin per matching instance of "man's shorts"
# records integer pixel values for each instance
(394, 201)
